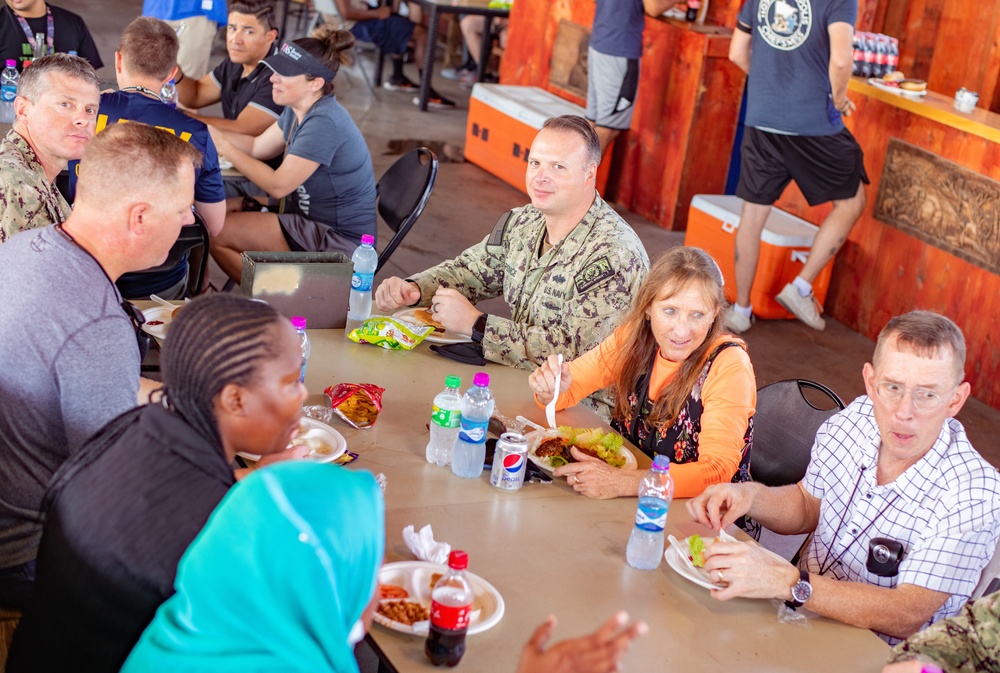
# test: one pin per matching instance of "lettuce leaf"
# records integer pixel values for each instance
(696, 547)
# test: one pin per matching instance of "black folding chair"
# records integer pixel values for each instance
(784, 428)
(403, 192)
(193, 239)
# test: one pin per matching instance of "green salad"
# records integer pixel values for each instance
(605, 445)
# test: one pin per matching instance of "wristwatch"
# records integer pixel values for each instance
(801, 591)
(479, 328)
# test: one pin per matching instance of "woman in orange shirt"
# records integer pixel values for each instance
(682, 386)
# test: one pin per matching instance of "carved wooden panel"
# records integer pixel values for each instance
(569, 58)
(940, 202)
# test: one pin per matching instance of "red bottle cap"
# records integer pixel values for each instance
(458, 560)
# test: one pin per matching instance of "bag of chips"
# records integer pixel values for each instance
(357, 403)
(391, 333)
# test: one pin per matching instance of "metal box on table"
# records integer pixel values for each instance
(315, 285)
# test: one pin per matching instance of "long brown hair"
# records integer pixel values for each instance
(673, 272)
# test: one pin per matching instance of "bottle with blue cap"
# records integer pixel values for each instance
(645, 544)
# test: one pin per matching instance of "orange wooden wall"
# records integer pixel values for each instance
(882, 272)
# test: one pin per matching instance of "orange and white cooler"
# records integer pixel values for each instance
(503, 120)
(784, 248)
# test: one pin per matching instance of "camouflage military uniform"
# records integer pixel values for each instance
(564, 301)
(966, 643)
(27, 199)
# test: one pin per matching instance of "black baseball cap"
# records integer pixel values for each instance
(292, 60)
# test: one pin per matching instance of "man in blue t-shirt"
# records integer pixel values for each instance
(798, 56)
(145, 59)
(613, 63)
(200, 20)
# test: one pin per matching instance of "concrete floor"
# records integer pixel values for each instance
(467, 201)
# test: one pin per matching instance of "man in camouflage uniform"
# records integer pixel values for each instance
(966, 643)
(567, 264)
(56, 112)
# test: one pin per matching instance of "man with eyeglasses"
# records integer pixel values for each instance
(69, 352)
(903, 511)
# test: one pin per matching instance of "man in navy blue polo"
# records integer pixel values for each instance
(146, 58)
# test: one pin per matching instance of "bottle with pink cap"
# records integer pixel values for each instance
(470, 448)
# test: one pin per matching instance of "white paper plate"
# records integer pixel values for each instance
(536, 437)
(676, 556)
(161, 313)
(879, 84)
(445, 337)
(319, 431)
(224, 163)
(415, 578)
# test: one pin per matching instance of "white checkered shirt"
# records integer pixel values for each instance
(944, 509)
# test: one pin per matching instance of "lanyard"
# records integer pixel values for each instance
(50, 29)
(827, 563)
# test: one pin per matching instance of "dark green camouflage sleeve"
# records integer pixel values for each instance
(966, 643)
(477, 273)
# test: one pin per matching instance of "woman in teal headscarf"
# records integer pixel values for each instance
(279, 579)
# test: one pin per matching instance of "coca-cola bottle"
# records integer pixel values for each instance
(451, 605)
(892, 60)
(857, 53)
(881, 55)
(869, 65)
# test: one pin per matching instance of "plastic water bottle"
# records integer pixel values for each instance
(365, 262)
(446, 419)
(299, 323)
(168, 94)
(470, 448)
(9, 79)
(645, 544)
(451, 610)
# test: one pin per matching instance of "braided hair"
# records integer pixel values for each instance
(215, 341)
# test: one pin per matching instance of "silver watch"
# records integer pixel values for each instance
(801, 591)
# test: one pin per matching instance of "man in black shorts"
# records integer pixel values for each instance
(796, 96)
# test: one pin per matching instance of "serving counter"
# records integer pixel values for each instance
(548, 550)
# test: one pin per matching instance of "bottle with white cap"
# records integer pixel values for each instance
(365, 262)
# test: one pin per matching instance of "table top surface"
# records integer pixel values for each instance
(545, 548)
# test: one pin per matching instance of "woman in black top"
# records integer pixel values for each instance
(122, 511)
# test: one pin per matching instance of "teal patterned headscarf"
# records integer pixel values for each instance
(277, 580)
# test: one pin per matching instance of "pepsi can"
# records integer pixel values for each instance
(509, 462)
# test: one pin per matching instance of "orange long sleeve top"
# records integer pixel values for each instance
(729, 396)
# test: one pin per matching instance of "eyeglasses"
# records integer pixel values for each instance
(923, 399)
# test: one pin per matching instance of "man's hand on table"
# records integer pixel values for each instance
(720, 505)
(454, 311)
(596, 479)
(394, 293)
(598, 652)
(748, 570)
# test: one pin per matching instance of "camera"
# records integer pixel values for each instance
(884, 556)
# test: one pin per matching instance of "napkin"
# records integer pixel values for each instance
(422, 544)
